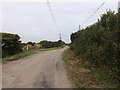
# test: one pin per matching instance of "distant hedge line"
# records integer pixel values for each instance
(49, 44)
(100, 42)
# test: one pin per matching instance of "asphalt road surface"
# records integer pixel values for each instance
(40, 70)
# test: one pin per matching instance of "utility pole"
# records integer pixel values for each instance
(79, 27)
(60, 36)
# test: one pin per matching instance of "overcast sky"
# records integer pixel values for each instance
(34, 22)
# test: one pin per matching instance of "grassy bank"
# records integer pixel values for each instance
(18, 56)
(84, 75)
(25, 53)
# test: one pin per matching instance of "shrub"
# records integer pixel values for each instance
(49, 44)
(10, 44)
(100, 42)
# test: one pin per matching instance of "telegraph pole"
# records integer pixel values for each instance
(79, 27)
(60, 36)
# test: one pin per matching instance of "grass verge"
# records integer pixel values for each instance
(17, 56)
(84, 75)
(25, 53)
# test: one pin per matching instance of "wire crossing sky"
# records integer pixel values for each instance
(37, 21)
(52, 14)
(95, 12)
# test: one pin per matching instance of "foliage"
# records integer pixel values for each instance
(49, 44)
(32, 43)
(100, 42)
(84, 74)
(10, 44)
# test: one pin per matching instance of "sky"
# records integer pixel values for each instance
(33, 21)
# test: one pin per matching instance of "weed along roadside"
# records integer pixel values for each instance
(83, 74)
(18, 56)
(78, 74)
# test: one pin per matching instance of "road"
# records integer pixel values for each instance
(41, 70)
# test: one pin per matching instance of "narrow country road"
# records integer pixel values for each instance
(40, 70)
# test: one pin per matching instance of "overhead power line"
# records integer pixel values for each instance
(52, 14)
(54, 20)
(94, 12)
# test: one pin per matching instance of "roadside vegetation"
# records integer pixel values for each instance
(18, 56)
(83, 74)
(25, 53)
(13, 49)
(97, 48)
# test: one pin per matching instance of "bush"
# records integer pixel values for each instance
(49, 44)
(10, 44)
(100, 42)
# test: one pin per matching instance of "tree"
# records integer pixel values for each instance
(32, 43)
(49, 44)
(11, 44)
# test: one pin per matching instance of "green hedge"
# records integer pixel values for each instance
(49, 44)
(100, 42)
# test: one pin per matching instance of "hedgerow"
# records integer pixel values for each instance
(100, 42)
